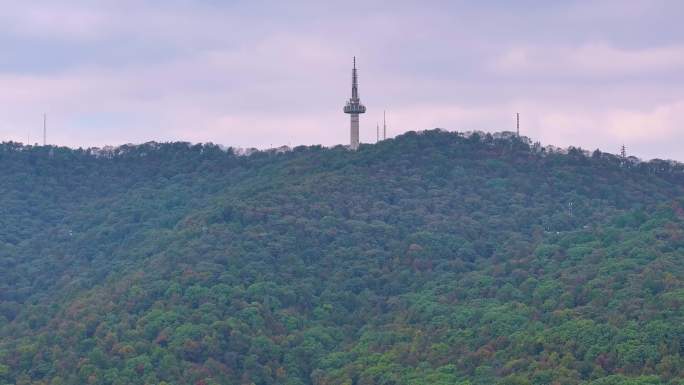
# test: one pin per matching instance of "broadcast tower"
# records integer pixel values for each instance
(354, 108)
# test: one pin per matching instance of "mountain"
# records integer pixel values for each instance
(432, 258)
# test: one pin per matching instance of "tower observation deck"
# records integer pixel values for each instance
(354, 108)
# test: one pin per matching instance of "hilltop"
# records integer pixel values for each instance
(431, 258)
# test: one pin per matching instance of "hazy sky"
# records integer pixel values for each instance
(260, 73)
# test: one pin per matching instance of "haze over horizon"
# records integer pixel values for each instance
(254, 74)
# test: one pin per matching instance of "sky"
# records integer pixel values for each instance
(594, 74)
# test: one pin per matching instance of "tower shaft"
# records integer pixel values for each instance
(354, 132)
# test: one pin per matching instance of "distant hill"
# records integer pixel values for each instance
(431, 258)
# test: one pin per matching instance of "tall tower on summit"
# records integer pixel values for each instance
(354, 108)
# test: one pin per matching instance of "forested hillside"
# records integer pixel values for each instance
(432, 258)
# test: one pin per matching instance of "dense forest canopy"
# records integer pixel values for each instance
(432, 258)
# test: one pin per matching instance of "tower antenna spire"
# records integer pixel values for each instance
(354, 108)
(517, 124)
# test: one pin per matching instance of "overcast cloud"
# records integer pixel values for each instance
(594, 74)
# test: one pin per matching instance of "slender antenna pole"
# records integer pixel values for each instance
(517, 124)
(44, 129)
(384, 126)
(377, 132)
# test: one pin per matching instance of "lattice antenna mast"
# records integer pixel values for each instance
(377, 132)
(623, 152)
(517, 124)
